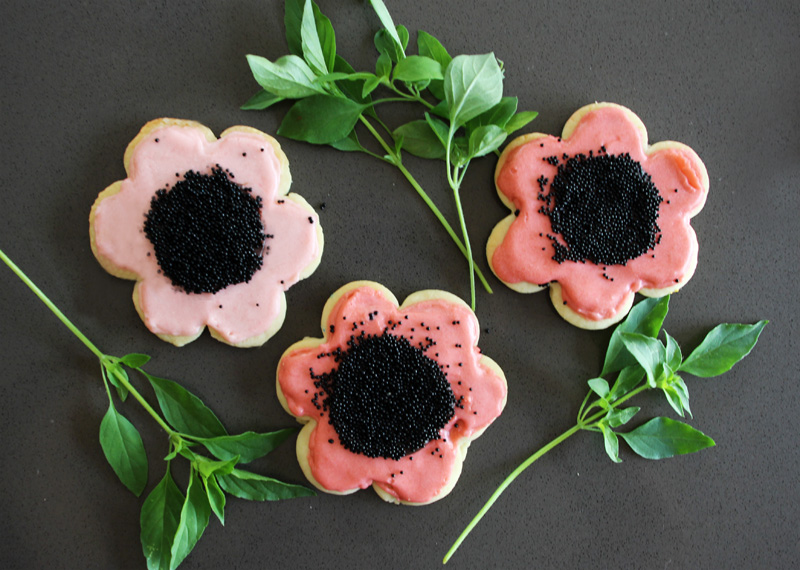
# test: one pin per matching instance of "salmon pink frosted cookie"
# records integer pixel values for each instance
(392, 395)
(598, 214)
(208, 230)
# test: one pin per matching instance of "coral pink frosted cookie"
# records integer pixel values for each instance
(208, 230)
(598, 214)
(392, 395)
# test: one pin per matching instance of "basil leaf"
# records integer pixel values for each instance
(628, 378)
(674, 356)
(352, 87)
(440, 110)
(402, 32)
(598, 386)
(260, 101)
(439, 129)
(420, 140)
(255, 487)
(161, 512)
(115, 373)
(611, 442)
(216, 498)
(388, 24)
(436, 88)
(387, 46)
(370, 85)
(648, 352)
(195, 514)
(497, 115)
(723, 347)
(124, 450)
(383, 66)
(327, 36)
(417, 68)
(207, 467)
(135, 360)
(519, 120)
(348, 144)
(459, 152)
(473, 84)
(616, 418)
(485, 139)
(681, 391)
(309, 38)
(429, 46)
(184, 411)
(321, 119)
(644, 318)
(288, 77)
(662, 437)
(178, 448)
(673, 399)
(293, 22)
(248, 446)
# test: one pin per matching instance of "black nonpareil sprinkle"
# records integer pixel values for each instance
(386, 398)
(206, 231)
(605, 207)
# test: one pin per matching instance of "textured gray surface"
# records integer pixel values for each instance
(80, 78)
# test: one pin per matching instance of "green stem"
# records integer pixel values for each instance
(428, 202)
(50, 305)
(146, 405)
(455, 183)
(508, 480)
(584, 423)
(414, 96)
(470, 261)
(104, 358)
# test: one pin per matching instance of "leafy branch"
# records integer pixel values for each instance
(171, 523)
(642, 362)
(464, 113)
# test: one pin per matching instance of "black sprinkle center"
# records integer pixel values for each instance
(605, 208)
(386, 398)
(206, 231)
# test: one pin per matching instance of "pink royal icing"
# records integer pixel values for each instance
(477, 384)
(238, 312)
(597, 292)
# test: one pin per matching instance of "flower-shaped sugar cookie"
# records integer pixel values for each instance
(209, 231)
(597, 215)
(392, 395)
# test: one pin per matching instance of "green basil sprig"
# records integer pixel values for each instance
(171, 523)
(464, 114)
(642, 362)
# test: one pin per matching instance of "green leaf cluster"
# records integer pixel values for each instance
(637, 360)
(642, 362)
(171, 522)
(464, 114)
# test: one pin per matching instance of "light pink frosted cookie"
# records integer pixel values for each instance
(208, 230)
(392, 395)
(597, 215)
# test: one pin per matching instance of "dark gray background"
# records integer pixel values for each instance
(80, 78)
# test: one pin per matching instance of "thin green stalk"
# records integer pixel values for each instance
(50, 305)
(415, 96)
(104, 358)
(455, 183)
(425, 198)
(470, 261)
(508, 480)
(139, 398)
(582, 424)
